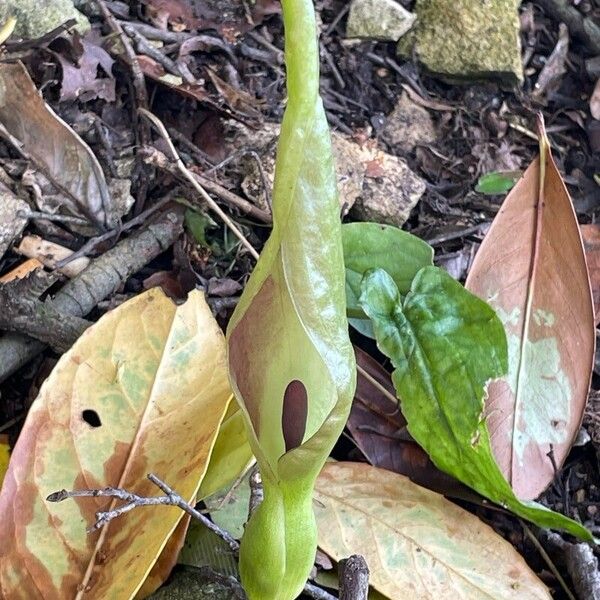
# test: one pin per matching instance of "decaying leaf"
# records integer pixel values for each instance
(417, 544)
(143, 390)
(591, 244)
(531, 268)
(57, 151)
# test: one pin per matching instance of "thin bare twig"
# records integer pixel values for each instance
(190, 177)
(171, 498)
(547, 560)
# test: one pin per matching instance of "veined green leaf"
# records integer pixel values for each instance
(374, 246)
(291, 363)
(446, 345)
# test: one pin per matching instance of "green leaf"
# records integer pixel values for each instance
(291, 363)
(373, 246)
(446, 345)
(497, 182)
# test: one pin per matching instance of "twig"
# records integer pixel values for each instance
(316, 593)
(261, 170)
(144, 47)
(547, 560)
(99, 280)
(188, 175)
(92, 243)
(158, 159)
(142, 132)
(37, 215)
(582, 27)
(171, 498)
(354, 578)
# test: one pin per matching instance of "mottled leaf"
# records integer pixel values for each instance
(290, 326)
(417, 544)
(57, 151)
(143, 390)
(446, 345)
(531, 268)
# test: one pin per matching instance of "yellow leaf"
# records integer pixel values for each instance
(7, 29)
(231, 455)
(4, 456)
(417, 544)
(143, 390)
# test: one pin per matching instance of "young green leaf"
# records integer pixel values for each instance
(373, 246)
(498, 182)
(291, 363)
(446, 345)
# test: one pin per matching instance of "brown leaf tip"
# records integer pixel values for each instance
(294, 414)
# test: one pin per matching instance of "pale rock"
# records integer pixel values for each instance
(465, 40)
(375, 185)
(408, 125)
(37, 17)
(384, 20)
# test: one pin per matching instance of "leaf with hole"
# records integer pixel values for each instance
(446, 346)
(531, 268)
(142, 390)
(417, 544)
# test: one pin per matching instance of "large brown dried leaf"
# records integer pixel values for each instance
(417, 544)
(531, 268)
(154, 376)
(57, 151)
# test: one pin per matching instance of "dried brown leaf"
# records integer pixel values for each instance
(531, 267)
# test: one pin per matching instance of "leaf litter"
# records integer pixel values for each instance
(452, 163)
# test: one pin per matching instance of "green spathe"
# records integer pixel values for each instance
(446, 344)
(291, 363)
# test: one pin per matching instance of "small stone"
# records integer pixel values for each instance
(384, 20)
(466, 40)
(373, 185)
(408, 125)
(390, 191)
(37, 17)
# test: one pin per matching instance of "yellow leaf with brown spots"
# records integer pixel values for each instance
(417, 544)
(143, 390)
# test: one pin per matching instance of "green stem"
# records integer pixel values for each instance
(301, 53)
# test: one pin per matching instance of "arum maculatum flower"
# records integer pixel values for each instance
(290, 359)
